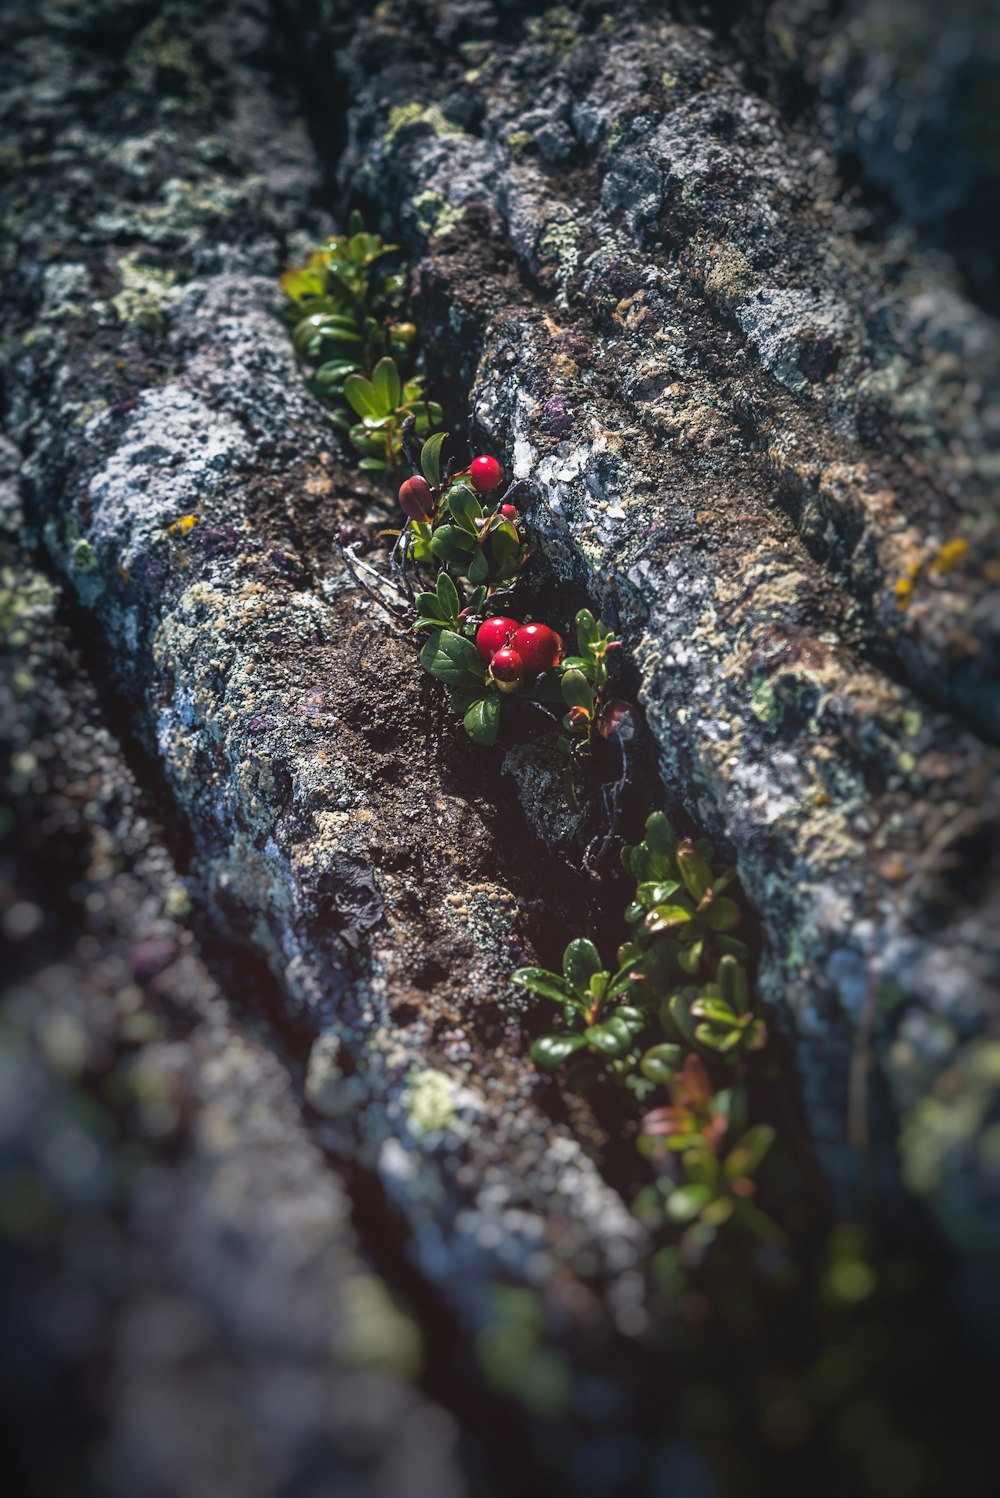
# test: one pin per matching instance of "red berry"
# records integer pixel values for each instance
(507, 667)
(486, 473)
(539, 647)
(416, 498)
(509, 512)
(493, 634)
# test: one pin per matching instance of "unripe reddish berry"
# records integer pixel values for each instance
(416, 498)
(493, 634)
(539, 647)
(486, 473)
(508, 668)
(509, 512)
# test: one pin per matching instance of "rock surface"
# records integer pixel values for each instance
(178, 1252)
(768, 449)
(761, 437)
(339, 826)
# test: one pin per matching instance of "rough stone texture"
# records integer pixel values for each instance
(186, 1309)
(341, 825)
(767, 445)
(747, 426)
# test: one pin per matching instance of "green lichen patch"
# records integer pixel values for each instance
(147, 294)
(404, 116)
(434, 214)
(429, 1103)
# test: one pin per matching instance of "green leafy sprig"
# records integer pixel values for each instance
(639, 1026)
(343, 311)
(599, 1027)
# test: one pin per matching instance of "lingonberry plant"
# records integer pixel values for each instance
(637, 1024)
(344, 314)
(673, 1015)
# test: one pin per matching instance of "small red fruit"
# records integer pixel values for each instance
(416, 498)
(539, 647)
(509, 512)
(493, 634)
(486, 473)
(507, 668)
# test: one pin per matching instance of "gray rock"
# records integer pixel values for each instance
(780, 479)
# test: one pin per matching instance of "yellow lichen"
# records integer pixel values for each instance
(905, 586)
(948, 557)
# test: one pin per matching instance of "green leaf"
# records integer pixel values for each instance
(653, 893)
(715, 1010)
(547, 985)
(452, 545)
(476, 600)
(462, 698)
(430, 458)
(550, 1051)
(667, 918)
(586, 629)
(659, 836)
(478, 569)
(464, 508)
(610, 1039)
(577, 691)
(506, 549)
(622, 980)
(596, 988)
(373, 465)
(694, 871)
(702, 1167)
(452, 658)
(719, 1211)
(581, 960)
(361, 396)
(633, 1019)
(661, 1062)
(385, 381)
(482, 721)
(713, 1040)
(749, 1152)
(447, 596)
(723, 914)
(334, 371)
(733, 984)
(677, 1008)
(690, 957)
(428, 607)
(685, 1204)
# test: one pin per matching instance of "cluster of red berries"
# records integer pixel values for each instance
(517, 650)
(417, 498)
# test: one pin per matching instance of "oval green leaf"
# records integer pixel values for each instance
(661, 1062)
(581, 960)
(550, 1051)
(482, 721)
(430, 458)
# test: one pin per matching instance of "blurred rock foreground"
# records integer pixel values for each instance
(285, 1206)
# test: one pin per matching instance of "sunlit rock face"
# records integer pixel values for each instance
(762, 436)
(759, 431)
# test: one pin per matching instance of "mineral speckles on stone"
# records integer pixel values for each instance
(215, 1251)
(770, 430)
(292, 732)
